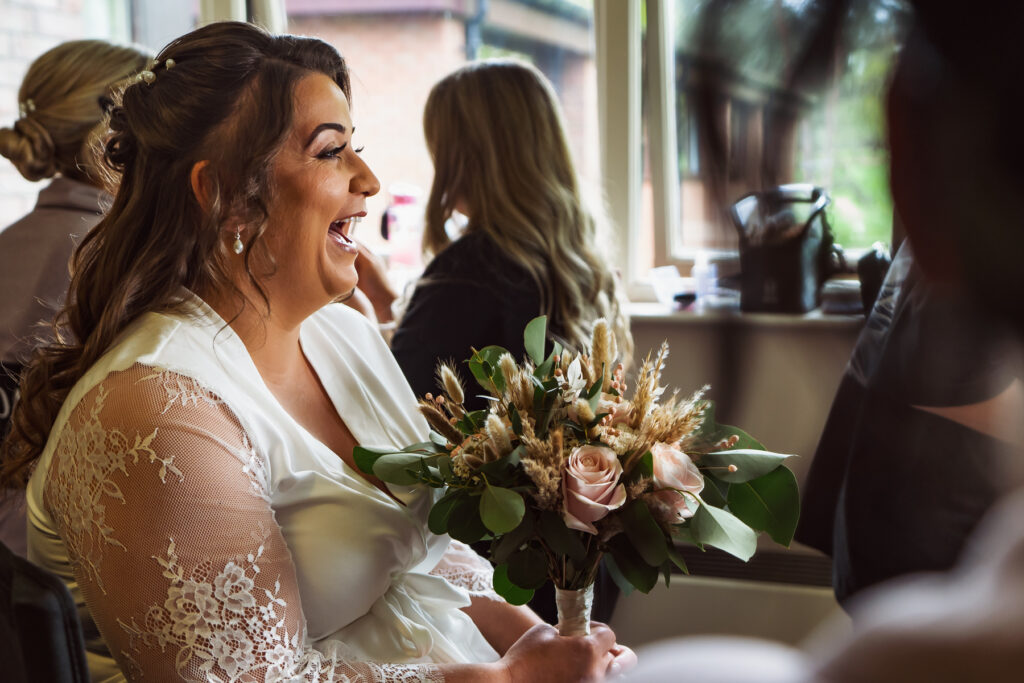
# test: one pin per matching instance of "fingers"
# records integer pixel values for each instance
(602, 636)
(623, 660)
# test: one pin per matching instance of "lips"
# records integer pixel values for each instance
(339, 229)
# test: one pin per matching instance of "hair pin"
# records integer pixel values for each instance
(25, 108)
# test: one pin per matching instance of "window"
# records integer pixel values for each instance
(833, 138)
(30, 29)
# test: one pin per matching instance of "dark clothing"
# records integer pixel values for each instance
(473, 295)
(894, 489)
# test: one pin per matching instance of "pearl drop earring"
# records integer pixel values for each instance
(238, 247)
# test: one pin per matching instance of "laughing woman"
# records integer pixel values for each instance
(187, 445)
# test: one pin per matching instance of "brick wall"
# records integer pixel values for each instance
(27, 29)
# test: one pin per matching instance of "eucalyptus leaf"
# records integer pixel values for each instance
(501, 510)
(398, 468)
(715, 491)
(770, 503)
(617, 576)
(641, 575)
(471, 422)
(561, 539)
(513, 540)
(750, 464)
(426, 447)
(513, 594)
(545, 368)
(464, 522)
(365, 457)
(676, 558)
(516, 420)
(503, 470)
(441, 512)
(719, 528)
(528, 568)
(533, 338)
(644, 468)
(644, 533)
(444, 466)
(594, 395)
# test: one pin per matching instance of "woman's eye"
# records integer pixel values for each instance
(359, 150)
(332, 152)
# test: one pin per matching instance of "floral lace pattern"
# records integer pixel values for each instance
(81, 480)
(218, 601)
(462, 567)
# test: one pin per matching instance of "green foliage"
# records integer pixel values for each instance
(721, 529)
(644, 533)
(770, 503)
(504, 587)
(501, 510)
(630, 566)
(562, 540)
(533, 338)
(484, 367)
(750, 464)
(528, 568)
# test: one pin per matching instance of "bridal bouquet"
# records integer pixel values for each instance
(567, 466)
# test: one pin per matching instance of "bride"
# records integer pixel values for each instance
(187, 443)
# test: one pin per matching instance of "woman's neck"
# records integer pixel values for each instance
(272, 340)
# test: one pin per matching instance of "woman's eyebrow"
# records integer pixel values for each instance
(322, 127)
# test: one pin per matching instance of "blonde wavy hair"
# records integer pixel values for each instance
(61, 95)
(496, 134)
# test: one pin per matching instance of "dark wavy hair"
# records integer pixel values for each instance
(226, 98)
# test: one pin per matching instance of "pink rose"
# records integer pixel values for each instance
(590, 487)
(673, 469)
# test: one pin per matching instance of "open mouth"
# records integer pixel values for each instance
(339, 230)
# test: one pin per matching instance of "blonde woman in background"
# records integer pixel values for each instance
(496, 134)
(59, 105)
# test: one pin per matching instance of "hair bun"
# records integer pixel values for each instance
(30, 148)
(121, 147)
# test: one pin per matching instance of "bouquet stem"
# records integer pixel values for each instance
(574, 607)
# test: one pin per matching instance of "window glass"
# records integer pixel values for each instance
(30, 29)
(398, 49)
(833, 138)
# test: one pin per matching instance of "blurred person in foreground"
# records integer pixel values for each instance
(957, 167)
(60, 106)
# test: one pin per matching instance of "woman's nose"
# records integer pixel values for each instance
(364, 182)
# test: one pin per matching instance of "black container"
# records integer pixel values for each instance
(786, 248)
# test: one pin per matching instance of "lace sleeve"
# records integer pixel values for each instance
(164, 507)
(461, 566)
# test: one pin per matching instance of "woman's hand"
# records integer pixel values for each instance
(543, 655)
(373, 281)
